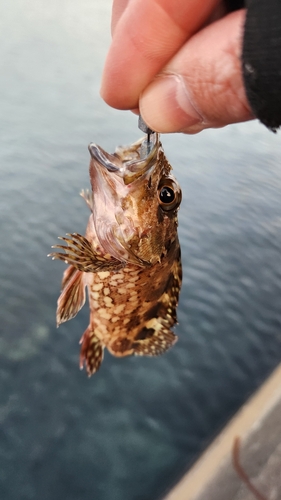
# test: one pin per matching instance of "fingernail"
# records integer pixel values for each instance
(166, 107)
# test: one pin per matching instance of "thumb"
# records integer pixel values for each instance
(202, 85)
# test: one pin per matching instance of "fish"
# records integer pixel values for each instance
(129, 259)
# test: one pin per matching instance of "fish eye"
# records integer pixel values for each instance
(169, 194)
(166, 195)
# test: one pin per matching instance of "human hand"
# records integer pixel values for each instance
(178, 63)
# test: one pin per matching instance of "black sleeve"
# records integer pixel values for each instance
(261, 58)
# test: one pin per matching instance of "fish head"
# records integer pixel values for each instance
(135, 201)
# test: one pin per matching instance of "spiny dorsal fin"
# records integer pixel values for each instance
(82, 256)
(91, 352)
(72, 297)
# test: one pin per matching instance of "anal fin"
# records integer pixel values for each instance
(91, 351)
(72, 297)
(154, 342)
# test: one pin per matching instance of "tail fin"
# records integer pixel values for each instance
(72, 297)
(152, 342)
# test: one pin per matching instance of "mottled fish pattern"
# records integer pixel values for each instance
(129, 258)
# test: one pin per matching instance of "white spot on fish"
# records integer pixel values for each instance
(107, 301)
(117, 276)
(104, 314)
(103, 274)
(118, 309)
(98, 286)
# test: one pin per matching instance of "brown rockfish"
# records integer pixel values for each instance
(129, 258)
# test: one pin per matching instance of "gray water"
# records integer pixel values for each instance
(130, 431)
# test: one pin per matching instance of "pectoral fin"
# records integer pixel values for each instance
(80, 254)
(67, 275)
(72, 297)
(154, 342)
(91, 351)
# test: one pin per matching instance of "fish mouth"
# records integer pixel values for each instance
(129, 162)
(98, 154)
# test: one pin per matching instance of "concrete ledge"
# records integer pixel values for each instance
(258, 424)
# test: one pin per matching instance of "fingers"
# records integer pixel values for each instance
(118, 8)
(141, 48)
(202, 85)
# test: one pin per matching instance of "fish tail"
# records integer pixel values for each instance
(154, 342)
(91, 353)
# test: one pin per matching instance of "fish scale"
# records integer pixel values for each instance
(129, 259)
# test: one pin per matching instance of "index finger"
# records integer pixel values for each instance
(147, 33)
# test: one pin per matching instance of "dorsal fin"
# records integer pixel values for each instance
(72, 297)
